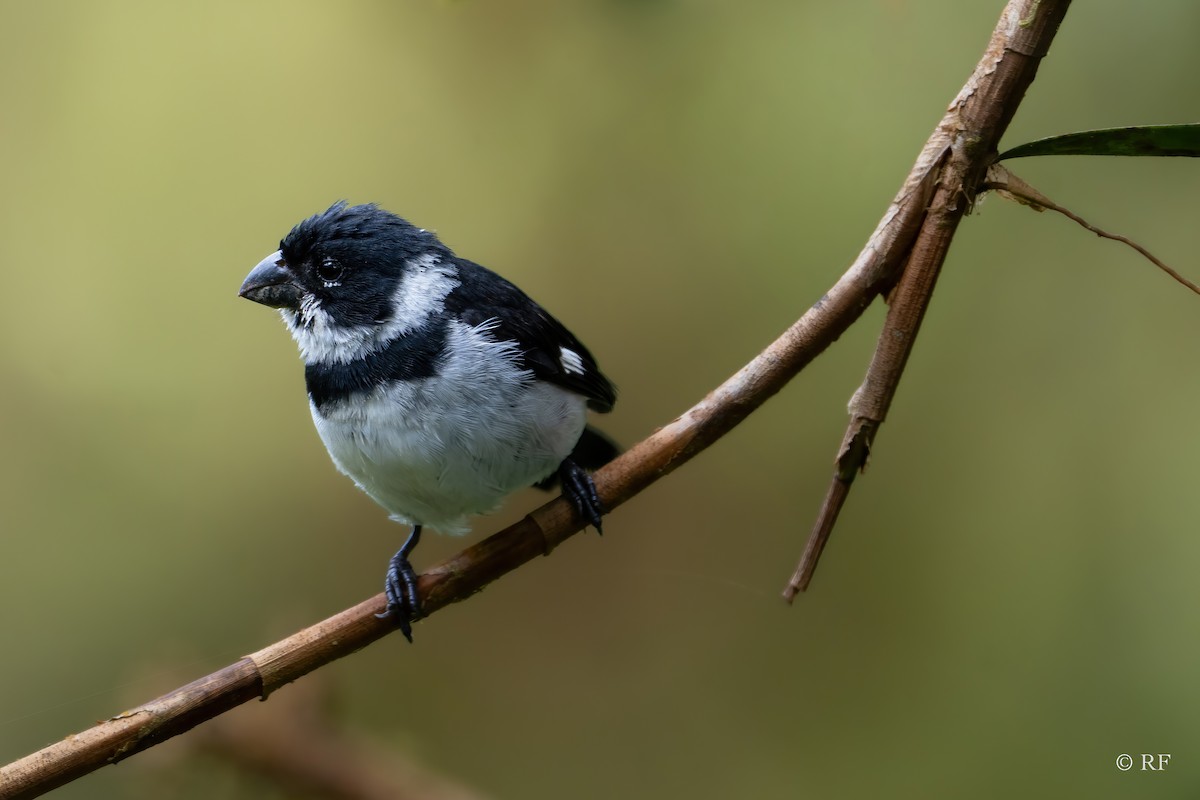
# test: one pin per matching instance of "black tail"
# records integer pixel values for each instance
(592, 451)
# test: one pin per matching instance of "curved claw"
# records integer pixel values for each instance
(580, 489)
(400, 587)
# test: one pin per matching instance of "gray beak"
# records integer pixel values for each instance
(272, 284)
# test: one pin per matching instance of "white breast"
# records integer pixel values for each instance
(437, 450)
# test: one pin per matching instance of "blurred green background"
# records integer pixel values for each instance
(1010, 599)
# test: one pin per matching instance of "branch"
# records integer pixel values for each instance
(1021, 34)
(971, 129)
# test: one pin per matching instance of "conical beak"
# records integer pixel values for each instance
(272, 284)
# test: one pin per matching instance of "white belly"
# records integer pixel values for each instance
(437, 450)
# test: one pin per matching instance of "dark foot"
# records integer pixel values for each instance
(400, 586)
(581, 491)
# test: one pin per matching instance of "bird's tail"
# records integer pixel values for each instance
(593, 450)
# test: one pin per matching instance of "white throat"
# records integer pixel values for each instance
(426, 283)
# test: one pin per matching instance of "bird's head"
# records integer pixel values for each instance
(351, 279)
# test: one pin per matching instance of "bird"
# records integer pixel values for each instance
(435, 384)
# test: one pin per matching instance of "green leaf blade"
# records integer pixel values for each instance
(1143, 140)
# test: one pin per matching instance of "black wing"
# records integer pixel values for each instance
(550, 350)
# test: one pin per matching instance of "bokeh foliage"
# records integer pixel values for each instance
(1008, 603)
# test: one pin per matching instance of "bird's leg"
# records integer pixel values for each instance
(579, 488)
(400, 587)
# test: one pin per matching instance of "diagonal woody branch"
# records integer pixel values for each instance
(971, 130)
(1024, 32)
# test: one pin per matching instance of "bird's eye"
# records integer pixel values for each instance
(329, 270)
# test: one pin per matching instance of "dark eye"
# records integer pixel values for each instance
(329, 270)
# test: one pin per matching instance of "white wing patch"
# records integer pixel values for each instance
(570, 360)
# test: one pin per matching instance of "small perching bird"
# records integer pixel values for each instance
(435, 384)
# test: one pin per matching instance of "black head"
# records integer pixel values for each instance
(347, 261)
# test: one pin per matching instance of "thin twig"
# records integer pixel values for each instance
(1005, 183)
(973, 124)
(873, 271)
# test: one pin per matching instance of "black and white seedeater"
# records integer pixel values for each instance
(435, 384)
